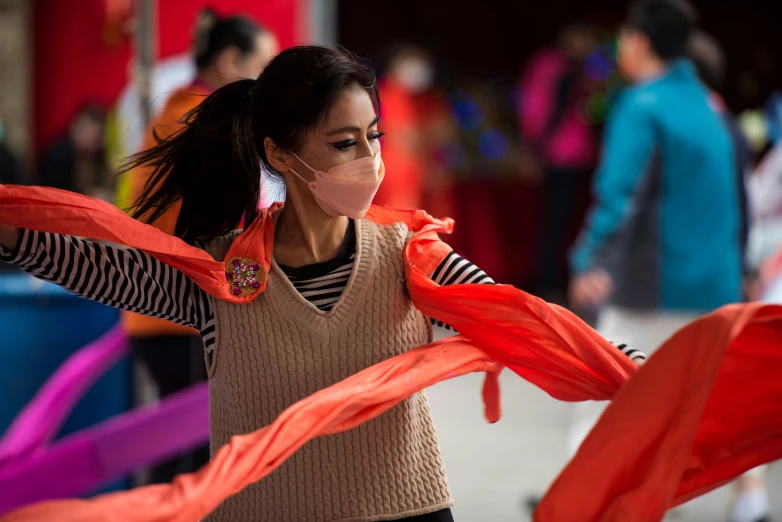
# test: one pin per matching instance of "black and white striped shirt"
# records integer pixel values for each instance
(132, 280)
(322, 283)
(322, 290)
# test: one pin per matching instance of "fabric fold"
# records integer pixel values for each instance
(706, 407)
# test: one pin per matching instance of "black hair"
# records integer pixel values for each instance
(709, 58)
(401, 48)
(214, 34)
(667, 24)
(92, 111)
(575, 26)
(212, 166)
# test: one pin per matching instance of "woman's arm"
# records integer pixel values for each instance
(454, 270)
(120, 277)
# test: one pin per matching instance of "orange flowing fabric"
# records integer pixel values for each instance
(543, 343)
(565, 357)
(704, 409)
(693, 418)
(249, 458)
(63, 212)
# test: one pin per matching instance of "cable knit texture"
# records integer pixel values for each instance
(280, 348)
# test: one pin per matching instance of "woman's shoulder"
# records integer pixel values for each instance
(396, 228)
(389, 239)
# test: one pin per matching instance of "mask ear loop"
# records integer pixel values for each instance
(300, 176)
(305, 164)
(302, 162)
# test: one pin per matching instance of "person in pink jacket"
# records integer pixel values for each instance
(553, 90)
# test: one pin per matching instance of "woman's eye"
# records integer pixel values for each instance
(344, 145)
(347, 144)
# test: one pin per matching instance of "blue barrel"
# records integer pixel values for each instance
(42, 325)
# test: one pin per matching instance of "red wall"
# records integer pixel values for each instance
(72, 66)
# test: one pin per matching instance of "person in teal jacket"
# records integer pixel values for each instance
(661, 245)
(664, 233)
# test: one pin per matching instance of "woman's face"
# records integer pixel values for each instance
(348, 133)
(232, 65)
(251, 65)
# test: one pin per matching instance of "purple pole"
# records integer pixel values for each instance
(114, 448)
(39, 421)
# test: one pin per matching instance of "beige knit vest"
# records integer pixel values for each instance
(280, 348)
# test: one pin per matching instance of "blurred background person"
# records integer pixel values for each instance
(565, 144)
(77, 161)
(765, 185)
(417, 124)
(10, 171)
(750, 503)
(709, 58)
(764, 190)
(224, 50)
(661, 245)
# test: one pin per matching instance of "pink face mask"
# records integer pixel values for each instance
(347, 189)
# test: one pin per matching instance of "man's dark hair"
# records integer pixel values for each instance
(667, 23)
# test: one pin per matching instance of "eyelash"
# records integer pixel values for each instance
(345, 145)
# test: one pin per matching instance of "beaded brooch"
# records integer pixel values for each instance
(244, 275)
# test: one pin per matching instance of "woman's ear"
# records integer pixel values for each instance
(280, 160)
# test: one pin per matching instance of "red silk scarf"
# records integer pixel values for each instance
(659, 444)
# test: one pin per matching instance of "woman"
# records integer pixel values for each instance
(554, 88)
(334, 302)
(77, 161)
(225, 49)
(420, 128)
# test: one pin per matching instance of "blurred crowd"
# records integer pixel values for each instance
(442, 136)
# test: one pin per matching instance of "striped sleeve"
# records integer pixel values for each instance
(629, 351)
(454, 270)
(120, 277)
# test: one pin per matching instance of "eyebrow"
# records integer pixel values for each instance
(352, 128)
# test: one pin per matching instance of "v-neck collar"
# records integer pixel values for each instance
(284, 295)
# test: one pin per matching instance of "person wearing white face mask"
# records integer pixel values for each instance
(419, 124)
(334, 299)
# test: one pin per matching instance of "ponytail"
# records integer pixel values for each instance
(211, 167)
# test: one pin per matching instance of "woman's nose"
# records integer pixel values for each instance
(365, 149)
